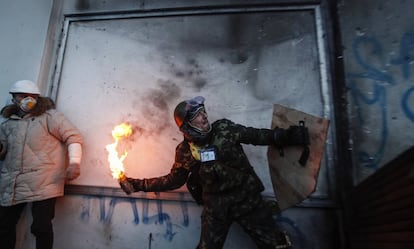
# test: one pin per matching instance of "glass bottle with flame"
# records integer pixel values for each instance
(115, 161)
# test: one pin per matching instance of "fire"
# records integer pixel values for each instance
(115, 161)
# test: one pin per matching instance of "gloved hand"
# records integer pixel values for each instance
(73, 171)
(129, 185)
(294, 135)
(297, 135)
(280, 137)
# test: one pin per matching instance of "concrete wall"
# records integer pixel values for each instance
(378, 42)
(100, 220)
(24, 26)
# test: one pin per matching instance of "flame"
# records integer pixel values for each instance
(115, 161)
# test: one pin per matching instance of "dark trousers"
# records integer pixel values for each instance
(254, 216)
(43, 213)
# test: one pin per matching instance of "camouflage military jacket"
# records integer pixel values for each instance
(229, 175)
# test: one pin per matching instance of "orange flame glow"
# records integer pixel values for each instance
(115, 161)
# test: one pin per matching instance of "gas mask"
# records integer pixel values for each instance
(26, 104)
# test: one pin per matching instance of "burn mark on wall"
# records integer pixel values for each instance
(195, 74)
(190, 72)
(82, 4)
(238, 56)
(155, 105)
(199, 83)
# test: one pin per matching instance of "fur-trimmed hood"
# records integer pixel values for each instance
(43, 104)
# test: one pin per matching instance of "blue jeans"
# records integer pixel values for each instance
(43, 213)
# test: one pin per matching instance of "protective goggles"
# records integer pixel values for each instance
(194, 106)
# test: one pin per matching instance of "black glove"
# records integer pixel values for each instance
(280, 137)
(297, 135)
(130, 185)
(294, 135)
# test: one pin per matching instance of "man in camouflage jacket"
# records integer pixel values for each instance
(218, 174)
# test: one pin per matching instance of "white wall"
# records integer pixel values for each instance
(23, 29)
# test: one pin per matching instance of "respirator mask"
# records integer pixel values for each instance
(26, 104)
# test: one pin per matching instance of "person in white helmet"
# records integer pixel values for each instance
(34, 141)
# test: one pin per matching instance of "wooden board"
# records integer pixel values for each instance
(292, 182)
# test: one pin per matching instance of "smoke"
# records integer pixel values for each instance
(155, 109)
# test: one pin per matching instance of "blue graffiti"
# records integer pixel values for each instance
(370, 72)
(163, 218)
(184, 207)
(379, 79)
(160, 218)
(405, 106)
(85, 215)
(405, 59)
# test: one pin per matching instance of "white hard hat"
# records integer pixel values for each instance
(25, 86)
